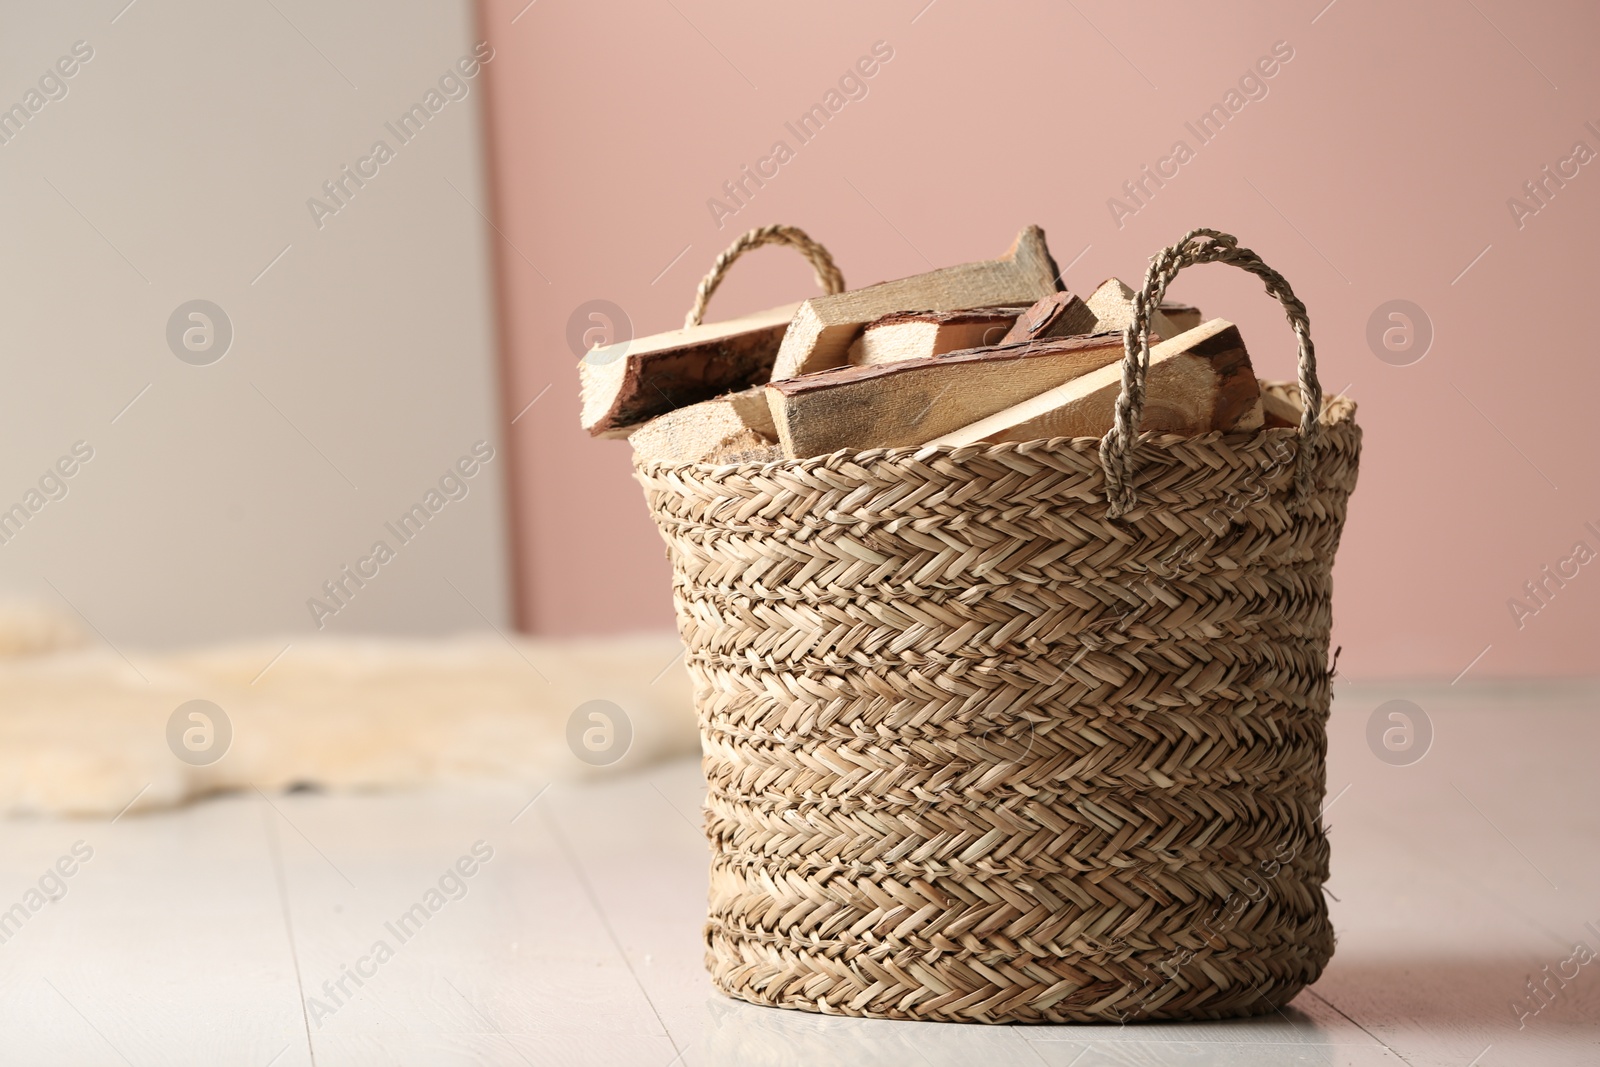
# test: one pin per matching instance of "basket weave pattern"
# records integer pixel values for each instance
(978, 752)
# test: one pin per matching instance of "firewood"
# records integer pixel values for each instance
(751, 407)
(747, 447)
(820, 336)
(909, 402)
(1280, 412)
(920, 334)
(627, 383)
(1057, 315)
(1182, 316)
(1199, 381)
(1112, 304)
(709, 431)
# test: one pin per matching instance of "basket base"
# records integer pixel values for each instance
(862, 988)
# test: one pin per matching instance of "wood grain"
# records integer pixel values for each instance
(920, 334)
(1182, 316)
(820, 336)
(735, 424)
(910, 402)
(1199, 381)
(1057, 315)
(1278, 411)
(626, 383)
(1112, 304)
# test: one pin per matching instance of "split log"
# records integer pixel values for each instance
(1112, 304)
(748, 447)
(1280, 412)
(909, 402)
(1182, 316)
(708, 432)
(920, 334)
(1199, 381)
(820, 336)
(627, 383)
(1057, 315)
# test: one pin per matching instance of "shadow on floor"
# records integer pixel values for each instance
(1358, 1012)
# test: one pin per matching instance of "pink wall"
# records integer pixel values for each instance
(1378, 166)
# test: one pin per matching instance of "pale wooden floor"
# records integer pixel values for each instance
(189, 937)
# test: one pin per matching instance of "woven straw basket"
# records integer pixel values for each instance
(1025, 732)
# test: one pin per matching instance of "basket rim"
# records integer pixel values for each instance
(1338, 412)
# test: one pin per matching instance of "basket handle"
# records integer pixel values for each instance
(828, 276)
(1202, 246)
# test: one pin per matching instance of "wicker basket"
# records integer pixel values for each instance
(1028, 732)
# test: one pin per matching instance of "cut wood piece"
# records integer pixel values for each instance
(820, 335)
(627, 383)
(908, 402)
(1112, 304)
(1182, 316)
(750, 405)
(920, 334)
(1279, 411)
(1057, 315)
(705, 432)
(747, 447)
(1199, 381)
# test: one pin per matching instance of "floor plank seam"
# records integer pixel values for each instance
(1358, 1026)
(605, 922)
(281, 877)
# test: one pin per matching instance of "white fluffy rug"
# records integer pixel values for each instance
(84, 732)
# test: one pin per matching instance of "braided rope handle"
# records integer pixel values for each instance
(828, 276)
(1202, 246)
